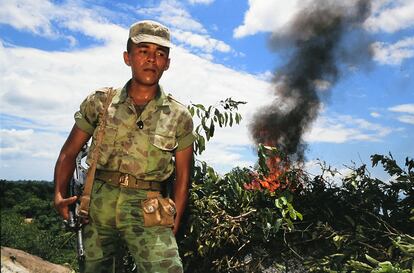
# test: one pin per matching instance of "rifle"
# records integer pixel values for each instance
(76, 185)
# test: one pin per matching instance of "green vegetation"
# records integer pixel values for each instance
(305, 225)
(273, 217)
(30, 223)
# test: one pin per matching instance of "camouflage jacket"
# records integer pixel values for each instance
(144, 153)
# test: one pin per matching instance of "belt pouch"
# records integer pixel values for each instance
(167, 211)
(158, 211)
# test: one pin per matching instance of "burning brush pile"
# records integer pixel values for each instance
(322, 42)
(275, 172)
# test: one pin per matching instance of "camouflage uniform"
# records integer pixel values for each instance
(115, 212)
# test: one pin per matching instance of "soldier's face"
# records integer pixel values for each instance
(148, 62)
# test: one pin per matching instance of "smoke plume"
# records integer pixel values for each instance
(322, 38)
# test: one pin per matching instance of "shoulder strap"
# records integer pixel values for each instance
(83, 209)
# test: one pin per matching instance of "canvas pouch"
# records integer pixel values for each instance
(158, 210)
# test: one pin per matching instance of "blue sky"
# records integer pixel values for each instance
(54, 53)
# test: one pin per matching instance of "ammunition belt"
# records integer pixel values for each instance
(128, 181)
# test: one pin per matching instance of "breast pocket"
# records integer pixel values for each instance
(160, 153)
(163, 142)
(163, 135)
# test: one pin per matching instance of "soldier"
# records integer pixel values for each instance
(147, 136)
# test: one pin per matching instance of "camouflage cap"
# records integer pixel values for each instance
(150, 32)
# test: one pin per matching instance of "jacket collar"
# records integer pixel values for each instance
(161, 99)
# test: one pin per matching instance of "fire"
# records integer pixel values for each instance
(276, 175)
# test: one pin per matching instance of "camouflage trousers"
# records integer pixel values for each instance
(115, 219)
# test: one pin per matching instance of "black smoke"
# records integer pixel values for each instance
(323, 38)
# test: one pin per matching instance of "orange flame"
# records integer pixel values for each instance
(276, 178)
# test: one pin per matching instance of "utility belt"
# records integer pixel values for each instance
(128, 181)
(157, 210)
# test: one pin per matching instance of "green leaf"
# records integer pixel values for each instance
(371, 260)
(278, 203)
(220, 120)
(200, 106)
(238, 118)
(278, 223)
(375, 159)
(360, 265)
(211, 129)
(292, 214)
(201, 144)
(337, 239)
(191, 109)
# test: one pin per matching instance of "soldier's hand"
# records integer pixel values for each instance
(176, 227)
(62, 206)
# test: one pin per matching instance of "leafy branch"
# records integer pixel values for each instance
(223, 115)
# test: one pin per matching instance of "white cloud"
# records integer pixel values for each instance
(186, 30)
(276, 15)
(344, 128)
(394, 54)
(49, 20)
(202, 41)
(228, 156)
(200, 80)
(407, 109)
(391, 16)
(406, 119)
(48, 86)
(44, 18)
(266, 76)
(265, 16)
(99, 30)
(205, 2)
(375, 114)
(403, 108)
(31, 16)
(172, 12)
(28, 154)
(28, 144)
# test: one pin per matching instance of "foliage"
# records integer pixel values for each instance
(223, 115)
(361, 225)
(30, 223)
(228, 222)
(363, 217)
